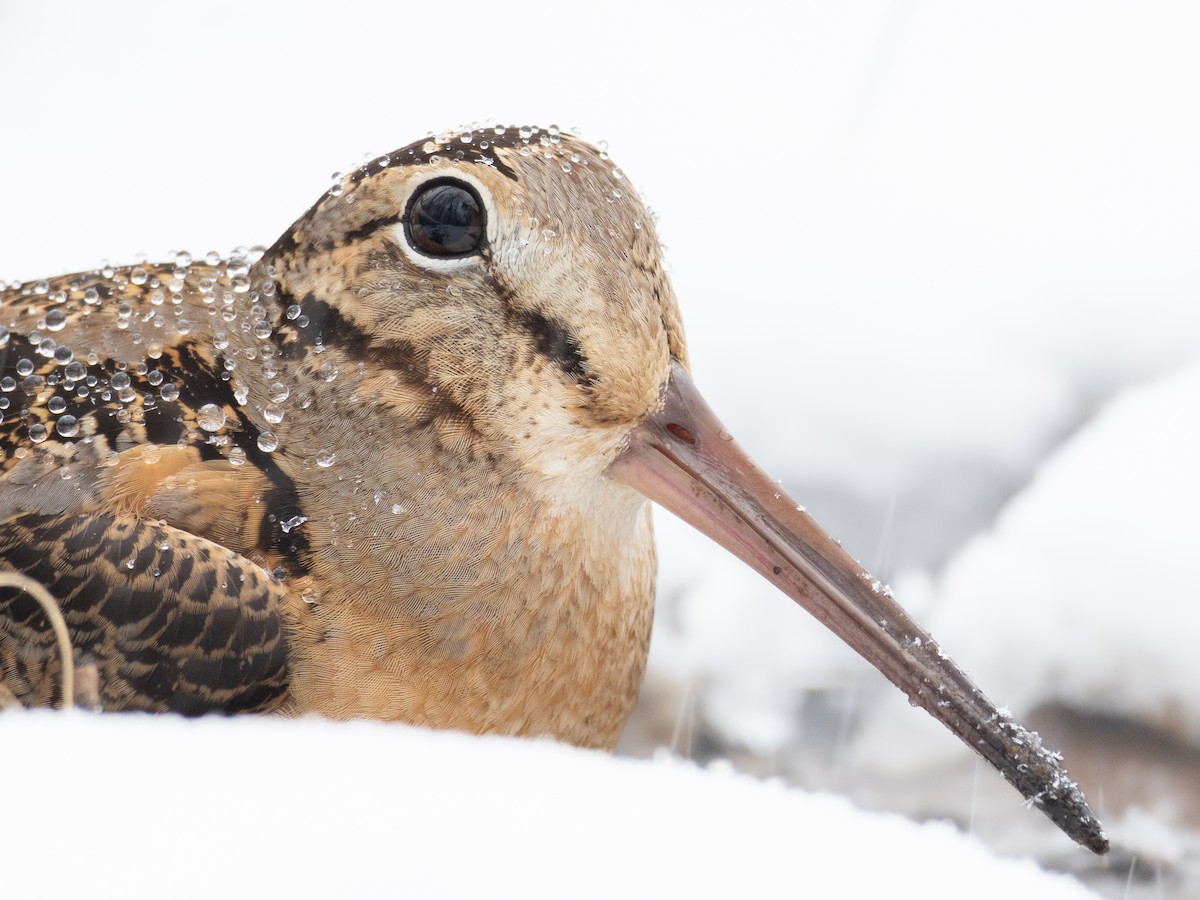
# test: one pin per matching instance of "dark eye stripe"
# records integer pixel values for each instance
(444, 219)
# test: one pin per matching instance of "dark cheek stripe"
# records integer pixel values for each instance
(325, 324)
(334, 330)
(555, 341)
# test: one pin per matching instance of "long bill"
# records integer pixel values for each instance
(683, 458)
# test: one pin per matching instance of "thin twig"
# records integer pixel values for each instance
(8, 700)
(49, 605)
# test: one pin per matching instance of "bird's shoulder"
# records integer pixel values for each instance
(115, 396)
(134, 487)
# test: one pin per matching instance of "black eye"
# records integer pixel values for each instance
(445, 219)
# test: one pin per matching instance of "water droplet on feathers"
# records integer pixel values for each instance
(210, 417)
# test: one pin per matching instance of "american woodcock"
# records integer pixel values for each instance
(399, 464)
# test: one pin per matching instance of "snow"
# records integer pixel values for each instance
(1089, 570)
(938, 266)
(1082, 595)
(125, 806)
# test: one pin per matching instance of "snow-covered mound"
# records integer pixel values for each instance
(1079, 606)
(1084, 592)
(136, 806)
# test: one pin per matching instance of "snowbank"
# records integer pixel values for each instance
(125, 806)
(1084, 592)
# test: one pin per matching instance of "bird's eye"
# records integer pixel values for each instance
(444, 219)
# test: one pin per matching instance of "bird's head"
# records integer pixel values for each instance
(504, 289)
(504, 286)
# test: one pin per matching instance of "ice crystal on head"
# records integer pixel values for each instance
(294, 522)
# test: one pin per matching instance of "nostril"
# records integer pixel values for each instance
(682, 433)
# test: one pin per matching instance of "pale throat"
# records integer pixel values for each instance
(548, 593)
